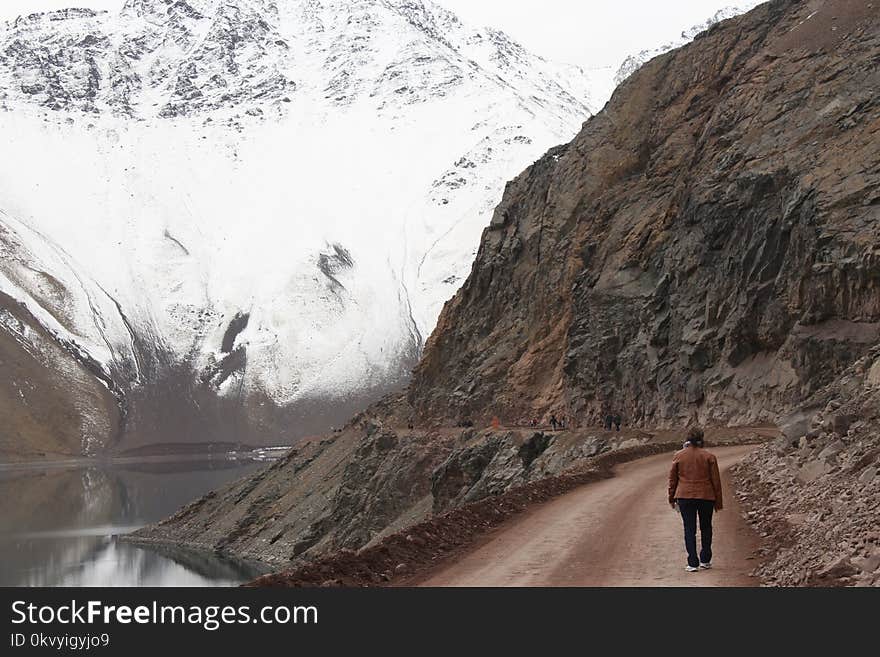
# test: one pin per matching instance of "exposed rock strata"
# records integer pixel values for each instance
(706, 248)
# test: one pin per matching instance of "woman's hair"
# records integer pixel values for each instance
(695, 436)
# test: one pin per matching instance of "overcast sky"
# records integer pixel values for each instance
(586, 32)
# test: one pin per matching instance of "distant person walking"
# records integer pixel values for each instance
(609, 419)
(617, 421)
(553, 421)
(695, 488)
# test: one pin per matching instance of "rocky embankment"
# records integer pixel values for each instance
(816, 496)
(352, 489)
(705, 250)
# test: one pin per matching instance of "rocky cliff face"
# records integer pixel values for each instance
(706, 248)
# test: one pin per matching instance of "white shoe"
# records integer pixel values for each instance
(705, 566)
(691, 569)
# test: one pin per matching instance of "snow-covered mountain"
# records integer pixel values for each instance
(634, 62)
(257, 204)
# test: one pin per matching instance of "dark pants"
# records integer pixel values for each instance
(690, 510)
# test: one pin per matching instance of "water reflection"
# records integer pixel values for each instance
(58, 527)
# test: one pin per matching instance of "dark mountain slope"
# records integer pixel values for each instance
(706, 248)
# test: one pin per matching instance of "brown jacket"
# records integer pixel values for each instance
(694, 475)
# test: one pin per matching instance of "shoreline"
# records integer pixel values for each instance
(256, 456)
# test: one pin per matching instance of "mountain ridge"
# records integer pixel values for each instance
(211, 160)
(184, 55)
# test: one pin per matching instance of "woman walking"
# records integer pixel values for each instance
(695, 487)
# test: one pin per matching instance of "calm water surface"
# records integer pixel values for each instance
(59, 525)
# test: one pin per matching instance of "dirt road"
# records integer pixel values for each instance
(617, 532)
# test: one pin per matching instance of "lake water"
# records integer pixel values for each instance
(59, 525)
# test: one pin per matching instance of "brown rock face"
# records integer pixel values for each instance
(707, 248)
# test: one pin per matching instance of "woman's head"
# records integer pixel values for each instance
(695, 436)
